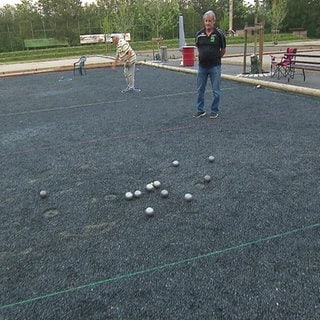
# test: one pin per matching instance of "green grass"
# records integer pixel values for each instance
(44, 43)
(109, 49)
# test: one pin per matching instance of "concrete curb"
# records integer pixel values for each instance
(252, 81)
(52, 69)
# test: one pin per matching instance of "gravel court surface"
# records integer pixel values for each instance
(246, 247)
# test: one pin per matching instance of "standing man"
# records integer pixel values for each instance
(211, 44)
(126, 55)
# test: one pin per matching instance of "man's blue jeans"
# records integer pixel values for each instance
(214, 73)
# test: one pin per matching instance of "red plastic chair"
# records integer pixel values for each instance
(285, 67)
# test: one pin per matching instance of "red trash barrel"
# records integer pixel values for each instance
(188, 55)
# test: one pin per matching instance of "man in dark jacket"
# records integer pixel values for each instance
(211, 44)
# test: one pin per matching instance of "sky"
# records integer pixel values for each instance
(14, 2)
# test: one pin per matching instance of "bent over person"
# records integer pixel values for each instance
(211, 44)
(126, 54)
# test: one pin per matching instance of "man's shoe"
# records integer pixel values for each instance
(130, 90)
(214, 115)
(199, 114)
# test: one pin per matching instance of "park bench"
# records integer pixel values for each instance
(304, 62)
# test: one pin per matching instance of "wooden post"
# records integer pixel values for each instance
(245, 50)
(257, 28)
(261, 41)
(256, 11)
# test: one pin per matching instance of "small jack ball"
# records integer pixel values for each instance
(207, 178)
(43, 194)
(211, 158)
(149, 212)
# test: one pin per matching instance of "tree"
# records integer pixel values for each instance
(160, 16)
(63, 17)
(304, 14)
(219, 7)
(28, 19)
(276, 15)
(10, 40)
(202, 6)
(124, 17)
(240, 14)
(91, 20)
(192, 21)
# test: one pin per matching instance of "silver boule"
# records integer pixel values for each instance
(149, 187)
(43, 194)
(137, 193)
(157, 184)
(164, 193)
(129, 195)
(149, 212)
(175, 163)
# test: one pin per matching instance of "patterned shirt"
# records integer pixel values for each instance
(123, 48)
(209, 47)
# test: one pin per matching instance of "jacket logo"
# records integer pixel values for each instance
(212, 38)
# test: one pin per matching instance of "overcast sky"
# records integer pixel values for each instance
(14, 2)
(4, 2)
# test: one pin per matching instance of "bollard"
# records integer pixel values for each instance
(254, 64)
(163, 54)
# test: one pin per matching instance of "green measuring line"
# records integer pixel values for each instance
(163, 266)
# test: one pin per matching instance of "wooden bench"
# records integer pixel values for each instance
(304, 62)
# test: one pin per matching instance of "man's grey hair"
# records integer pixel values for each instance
(210, 13)
(117, 35)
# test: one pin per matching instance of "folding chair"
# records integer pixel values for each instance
(286, 65)
(79, 65)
